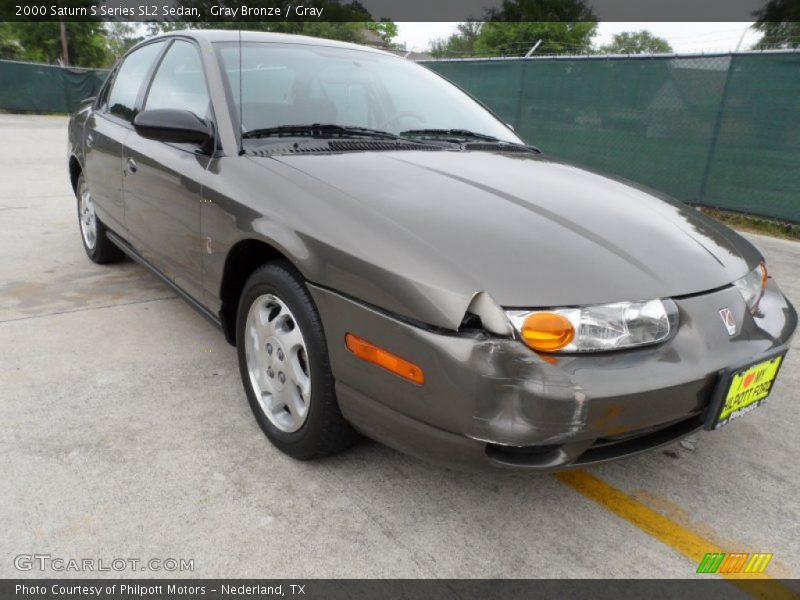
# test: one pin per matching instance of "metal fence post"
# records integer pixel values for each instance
(518, 112)
(712, 144)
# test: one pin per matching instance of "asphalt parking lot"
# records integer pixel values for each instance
(126, 434)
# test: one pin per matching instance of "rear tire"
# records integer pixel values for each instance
(284, 364)
(93, 232)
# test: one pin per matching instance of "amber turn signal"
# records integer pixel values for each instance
(383, 358)
(547, 331)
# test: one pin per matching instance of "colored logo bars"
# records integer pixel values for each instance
(742, 562)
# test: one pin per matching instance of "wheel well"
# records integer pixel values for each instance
(244, 258)
(74, 172)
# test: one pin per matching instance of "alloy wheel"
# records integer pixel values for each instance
(87, 217)
(277, 363)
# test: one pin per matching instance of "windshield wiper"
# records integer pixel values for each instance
(319, 130)
(455, 133)
(461, 135)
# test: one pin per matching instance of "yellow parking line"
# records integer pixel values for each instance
(687, 542)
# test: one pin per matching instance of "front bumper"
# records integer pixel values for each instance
(492, 402)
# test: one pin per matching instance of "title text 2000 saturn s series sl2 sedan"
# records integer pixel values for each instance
(389, 258)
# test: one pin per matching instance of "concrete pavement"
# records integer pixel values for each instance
(126, 434)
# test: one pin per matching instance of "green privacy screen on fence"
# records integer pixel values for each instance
(31, 87)
(720, 131)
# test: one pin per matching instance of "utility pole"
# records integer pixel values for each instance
(64, 48)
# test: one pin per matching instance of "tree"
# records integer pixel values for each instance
(516, 39)
(346, 32)
(385, 29)
(41, 42)
(346, 22)
(779, 22)
(121, 37)
(460, 43)
(638, 42)
(10, 48)
(563, 26)
(542, 11)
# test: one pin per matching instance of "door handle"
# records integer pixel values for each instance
(132, 166)
(89, 140)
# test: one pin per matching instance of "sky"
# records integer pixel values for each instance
(683, 37)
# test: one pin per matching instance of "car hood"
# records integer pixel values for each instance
(529, 231)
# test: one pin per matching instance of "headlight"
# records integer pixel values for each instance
(596, 328)
(752, 286)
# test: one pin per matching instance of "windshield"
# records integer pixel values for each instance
(294, 84)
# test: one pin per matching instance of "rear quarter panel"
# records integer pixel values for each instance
(75, 133)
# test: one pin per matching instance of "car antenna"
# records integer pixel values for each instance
(241, 100)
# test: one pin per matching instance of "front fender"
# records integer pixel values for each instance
(327, 236)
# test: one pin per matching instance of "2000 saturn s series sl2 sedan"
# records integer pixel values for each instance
(389, 258)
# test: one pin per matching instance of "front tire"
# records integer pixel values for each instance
(93, 232)
(284, 364)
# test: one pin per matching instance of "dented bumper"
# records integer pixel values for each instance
(492, 402)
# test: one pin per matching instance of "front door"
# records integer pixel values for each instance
(163, 182)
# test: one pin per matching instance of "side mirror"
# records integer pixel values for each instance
(175, 126)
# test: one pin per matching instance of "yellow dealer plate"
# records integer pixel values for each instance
(748, 389)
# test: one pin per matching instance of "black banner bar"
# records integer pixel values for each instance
(712, 588)
(396, 10)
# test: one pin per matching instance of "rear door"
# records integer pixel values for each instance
(163, 181)
(107, 128)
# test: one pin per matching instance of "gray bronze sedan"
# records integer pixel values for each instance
(391, 259)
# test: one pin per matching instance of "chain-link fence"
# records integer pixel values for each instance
(721, 130)
(33, 87)
(715, 130)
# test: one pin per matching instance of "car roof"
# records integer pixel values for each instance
(232, 35)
